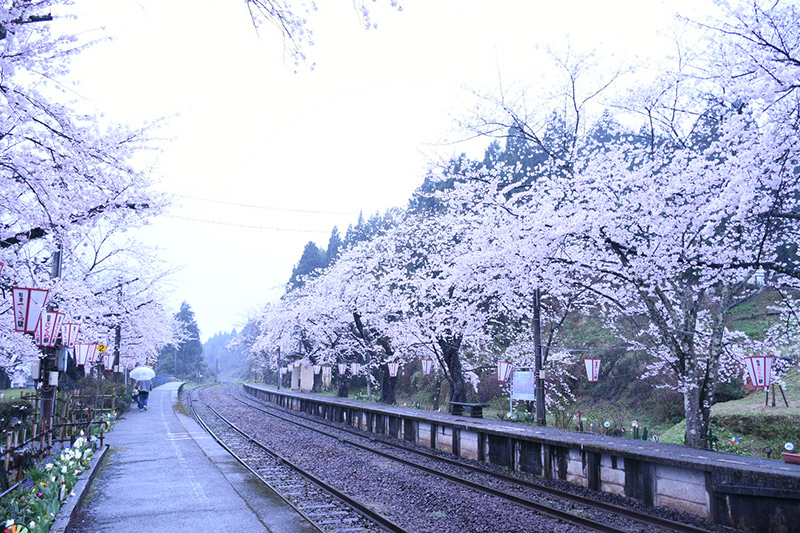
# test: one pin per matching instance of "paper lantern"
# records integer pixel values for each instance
(759, 368)
(393, 368)
(427, 365)
(69, 333)
(48, 328)
(342, 368)
(28, 305)
(317, 369)
(84, 353)
(354, 368)
(504, 370)
(592, 368)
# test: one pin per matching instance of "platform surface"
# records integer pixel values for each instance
(163, 472)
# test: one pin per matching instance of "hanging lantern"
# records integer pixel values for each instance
(427, 365)
(393, 368)
(592, 368)
(69, 333)
(504, 370)
(326, 371)
(317, 369)
(48, 327)
(354, 368)
(759, 368)
(342, 368)
(28, 305)
(108, 360)
(84, 353)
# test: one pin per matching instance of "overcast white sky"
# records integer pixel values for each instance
(312, 149)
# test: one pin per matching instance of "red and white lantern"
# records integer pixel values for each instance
(393, 368)
(355, 368)
(84, 353)
(592, 368)
(504, 370)
(427, 365)
(48, 327)
(317, 369)
(28, 305)
(69, 333)
(326, 371)
(342, 369)
(759, 368)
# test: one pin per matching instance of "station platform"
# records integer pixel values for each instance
(163, 472)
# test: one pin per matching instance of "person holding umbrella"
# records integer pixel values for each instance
(143, 375)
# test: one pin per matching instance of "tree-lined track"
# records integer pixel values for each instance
(424, 491)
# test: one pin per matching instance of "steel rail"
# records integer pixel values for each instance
(355, 504)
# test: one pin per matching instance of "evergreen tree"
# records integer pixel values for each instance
(184, 360)
(335, 244)
(312, 259)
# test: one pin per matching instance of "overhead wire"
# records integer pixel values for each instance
(268, 208)
(268, 228)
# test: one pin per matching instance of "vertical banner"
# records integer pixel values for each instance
(326, 371)
(28, 305)
(760, 370)
(592, 368)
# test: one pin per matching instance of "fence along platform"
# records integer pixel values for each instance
(748, 493)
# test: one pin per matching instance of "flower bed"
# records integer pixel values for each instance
(33, 505)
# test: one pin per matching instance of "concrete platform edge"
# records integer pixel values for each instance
(81, 488)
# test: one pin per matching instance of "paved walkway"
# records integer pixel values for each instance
(163, 473)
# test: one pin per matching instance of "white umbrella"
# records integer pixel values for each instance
(142, 373)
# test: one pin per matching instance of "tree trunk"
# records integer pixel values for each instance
(388, 384)
(437, 391)
(451, 348)
(317, 386)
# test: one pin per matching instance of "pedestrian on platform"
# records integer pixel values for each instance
(144, 386)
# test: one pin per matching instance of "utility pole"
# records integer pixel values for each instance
(49, 362)
(279, 367)
(541, 417)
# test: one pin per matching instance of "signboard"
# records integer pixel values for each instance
(523, 385)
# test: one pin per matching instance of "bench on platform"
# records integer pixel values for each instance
(475, 410)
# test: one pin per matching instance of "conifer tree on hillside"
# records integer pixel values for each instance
(184, 359)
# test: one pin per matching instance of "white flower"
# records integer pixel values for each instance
(32, 525)
(48, 466)
(9, 522)
(64, 469)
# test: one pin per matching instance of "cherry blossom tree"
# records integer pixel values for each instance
(68, 186)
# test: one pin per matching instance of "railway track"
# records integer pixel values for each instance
(545, 501)
(536, 492)
(323, 506)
